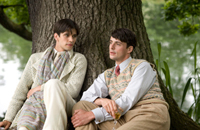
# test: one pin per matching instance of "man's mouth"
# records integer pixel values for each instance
(112, 53)
(69, 44)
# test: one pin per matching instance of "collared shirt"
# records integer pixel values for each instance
(142, 80)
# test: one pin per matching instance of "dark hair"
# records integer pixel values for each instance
(125, 35)
(64, 25)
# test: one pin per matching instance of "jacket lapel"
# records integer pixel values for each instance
(67, 69)
(68, 66)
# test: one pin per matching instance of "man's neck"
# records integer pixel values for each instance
(119, 62)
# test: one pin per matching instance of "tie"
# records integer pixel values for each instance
(57, 57)
(117, 72)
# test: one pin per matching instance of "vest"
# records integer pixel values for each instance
(117, 84)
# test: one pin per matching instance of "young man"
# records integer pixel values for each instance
(134, 90)
(51, 81)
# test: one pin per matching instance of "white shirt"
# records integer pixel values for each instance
(142, 80)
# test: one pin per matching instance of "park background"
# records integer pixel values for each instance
(176, 51)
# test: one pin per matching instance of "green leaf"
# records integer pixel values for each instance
(159, 49)
(194, 54)
(164, 72)
(190, 111)
(168, 77)
(187, 28)
(193, 92)
(185, 90)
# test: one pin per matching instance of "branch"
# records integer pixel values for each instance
(7, 6)
(13, 27)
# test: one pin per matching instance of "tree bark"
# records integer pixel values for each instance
(97, 19)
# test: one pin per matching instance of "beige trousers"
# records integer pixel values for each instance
(151, 116)
(58, 104)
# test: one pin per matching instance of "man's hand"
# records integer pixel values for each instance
(82, 117)
(5, 124)
(109, 105)
(38, 88)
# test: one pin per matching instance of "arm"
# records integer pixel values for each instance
(82, 117)
(30, 92)
(21, 91)
(96, 90)
(96, 93)
(5, 124)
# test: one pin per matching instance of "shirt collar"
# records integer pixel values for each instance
(70, 52)
(124, 64)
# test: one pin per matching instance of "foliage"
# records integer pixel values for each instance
(16, 10)
(14, 47)
(193, 84)
(165, 70)
(175, 52)
(176, 49)
(186, 11)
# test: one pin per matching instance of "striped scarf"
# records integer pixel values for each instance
(47, 69)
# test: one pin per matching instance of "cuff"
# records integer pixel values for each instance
(99, 117)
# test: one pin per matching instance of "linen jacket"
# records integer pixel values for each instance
(73, 76)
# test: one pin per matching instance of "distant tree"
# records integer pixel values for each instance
(187, 11)
(14, 17)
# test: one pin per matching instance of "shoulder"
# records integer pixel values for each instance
(137, 61)
(35, 56)
(78, 57)
(145, 66)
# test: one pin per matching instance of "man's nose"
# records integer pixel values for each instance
(71, 39)
(112, 45)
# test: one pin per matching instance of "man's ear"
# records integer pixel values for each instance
(56, 36)
(130, 49)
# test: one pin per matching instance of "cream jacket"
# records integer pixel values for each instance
(73, 76)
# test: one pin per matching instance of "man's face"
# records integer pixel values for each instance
(65, 41)
(118, 50)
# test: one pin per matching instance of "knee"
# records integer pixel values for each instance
(80, 105)
(53, 84)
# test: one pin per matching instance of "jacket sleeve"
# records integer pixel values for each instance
(20, 93)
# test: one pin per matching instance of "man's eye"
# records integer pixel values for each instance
(74, 36)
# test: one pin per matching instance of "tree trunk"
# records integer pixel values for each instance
(97, 19)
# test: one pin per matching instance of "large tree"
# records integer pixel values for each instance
(97, 18)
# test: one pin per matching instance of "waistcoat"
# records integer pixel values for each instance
(117, 84)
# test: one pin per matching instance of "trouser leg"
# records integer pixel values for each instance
(87, 106)
(147, 117)
(107, 125)
(57, 100)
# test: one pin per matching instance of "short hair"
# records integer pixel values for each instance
(125, 35)
(64, 25)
